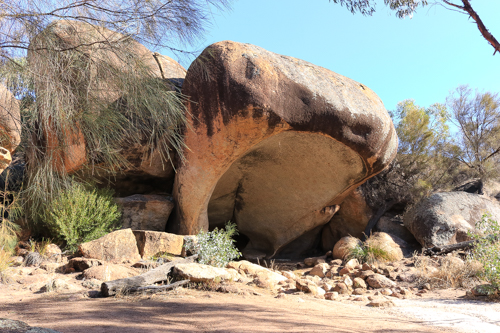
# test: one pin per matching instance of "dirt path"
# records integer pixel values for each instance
(200, 311)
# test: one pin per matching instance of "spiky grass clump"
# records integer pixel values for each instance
(370, 253)
(374, 249)
(82, 214)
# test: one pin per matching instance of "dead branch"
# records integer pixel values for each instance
(149, 278)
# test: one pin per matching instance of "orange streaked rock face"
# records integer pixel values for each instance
(275, 144)
(10, 120)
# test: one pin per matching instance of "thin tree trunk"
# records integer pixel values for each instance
(374, 219)
(440, 250)
(159, 288)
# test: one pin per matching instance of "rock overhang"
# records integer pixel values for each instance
(244, 99)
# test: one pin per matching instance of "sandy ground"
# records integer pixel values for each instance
(185, 310)
(462, 315)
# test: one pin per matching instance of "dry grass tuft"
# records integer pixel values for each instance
(447, 272)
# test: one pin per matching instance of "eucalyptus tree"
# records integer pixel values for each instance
(477, 117)
(406, 8)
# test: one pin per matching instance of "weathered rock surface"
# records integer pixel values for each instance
(350, 220)
(145, 212)
(344, 246)
(109, 272)
(117, 246)
(103, 45)
(445, 218)
(151, 243)
(277, 144)
(201, 273)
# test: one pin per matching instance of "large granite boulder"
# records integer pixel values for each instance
(445, 218)
(275, 144)
(121, 55)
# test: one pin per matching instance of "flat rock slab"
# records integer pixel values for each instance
(201, 273)
(151, 243)
(109, 272)
(117, 246)
(249, 268)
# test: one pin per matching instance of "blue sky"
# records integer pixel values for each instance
(422, 58)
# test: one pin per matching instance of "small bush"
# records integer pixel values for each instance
(82, 214)
(215, 248)
(487, 249)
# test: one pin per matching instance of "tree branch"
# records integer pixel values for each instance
(480, 25)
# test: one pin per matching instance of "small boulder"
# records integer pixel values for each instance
(201, 273)
(344, 247)
(347, 280)
(320, 270)
(117, 246)
(146, 212)
(309, 287)
(314, 261)
(342, 288)
(151, 243)
(332, 295)
(359, 283)
(389, 244)
(379, 281)
(352, 264)
(79, 264)
(53, 253)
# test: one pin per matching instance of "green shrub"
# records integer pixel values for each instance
(487, 249)
(82, 214)
(215, 248)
